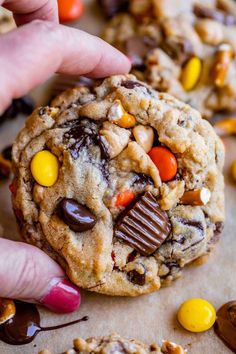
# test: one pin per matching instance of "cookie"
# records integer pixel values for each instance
(120, 184)
(116, 344)
(7, 22)
(185, 48)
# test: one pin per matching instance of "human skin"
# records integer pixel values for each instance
(30, 54)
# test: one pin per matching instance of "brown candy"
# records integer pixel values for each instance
(144, 226)
(225, 325)
(76, 216)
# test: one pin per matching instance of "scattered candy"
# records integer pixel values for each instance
(172, 348)
(225, 126)
(70, 10)
(44, 168)
(119, 116)
(78, 217)
(225, 325)
(191, 73)
(220, 67)
(145, 226)
(125, 198)
(165, 161)
(7, 310)
(196, 315)
(196, 197)
(233, 170)
(144, 136)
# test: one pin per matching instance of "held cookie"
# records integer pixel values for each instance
(116, 344)
(120, 184)
(185, 48)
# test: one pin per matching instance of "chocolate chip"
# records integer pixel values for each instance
(217, 15)
(141, 178)
(180, 49)
(143, 225)
(129, 84)
(137, 48)
(112, 7)
(225, 325)
(78, 217)
(136, 278)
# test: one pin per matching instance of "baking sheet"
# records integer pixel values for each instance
(150, 317)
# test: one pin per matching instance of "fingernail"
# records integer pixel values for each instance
(63, 296)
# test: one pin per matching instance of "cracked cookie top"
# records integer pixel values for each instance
(120, 184)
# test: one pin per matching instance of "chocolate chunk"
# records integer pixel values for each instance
(178, 48)
(225, 325)
(141, 178)
(217, 15)
(76, 216)
(112, 7)
(84, 135)
(137, 48)
(143, 225)
(129, 84)
(136, 278)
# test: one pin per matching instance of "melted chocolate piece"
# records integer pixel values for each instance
(85, 136)
(193, 223)
(217, 15)
(178, 48)
(225, 325)
(136, 278)
(219, 226)
(25, 325)
(76, 216)
(137, 48)
(129, 84)
(143, 225)
(112, 7)
(143, 179)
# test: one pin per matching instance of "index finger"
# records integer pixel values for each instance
(26, 11)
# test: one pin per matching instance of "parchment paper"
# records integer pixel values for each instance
(150, 317)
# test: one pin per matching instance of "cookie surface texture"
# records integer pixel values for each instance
(107, 216)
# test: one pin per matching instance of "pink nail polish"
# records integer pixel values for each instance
(63, 297)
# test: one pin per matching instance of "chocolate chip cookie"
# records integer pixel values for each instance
(185, 48)
(116, 344)
(120, 184)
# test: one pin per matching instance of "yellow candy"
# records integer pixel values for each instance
(191, 73)
(44, 168)
(196, 315)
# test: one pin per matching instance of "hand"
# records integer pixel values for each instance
(30, 55)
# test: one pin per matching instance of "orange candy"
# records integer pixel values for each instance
(125, 198)
(70, 10)
(165, 161)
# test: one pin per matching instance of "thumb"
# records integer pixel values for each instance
(27, 273)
